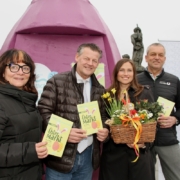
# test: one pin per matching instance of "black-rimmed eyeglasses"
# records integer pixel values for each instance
(15, 68)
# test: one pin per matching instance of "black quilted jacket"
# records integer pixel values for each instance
(20, 129)
(60, 96)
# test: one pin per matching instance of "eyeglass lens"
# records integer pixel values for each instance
(16, 67)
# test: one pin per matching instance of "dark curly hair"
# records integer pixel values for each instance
(17, 56)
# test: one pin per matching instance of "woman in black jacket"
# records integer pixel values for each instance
(20, 122)
(116, 159)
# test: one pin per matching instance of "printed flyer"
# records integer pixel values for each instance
(56, 135)
(90, 117)
(167, 105)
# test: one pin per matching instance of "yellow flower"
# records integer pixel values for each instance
(109, 99)
(106, 95)
(113, 90)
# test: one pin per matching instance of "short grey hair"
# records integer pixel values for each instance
(155, 44)
(92, 46)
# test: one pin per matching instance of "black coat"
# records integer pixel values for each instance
(20, 129)
(168, 86)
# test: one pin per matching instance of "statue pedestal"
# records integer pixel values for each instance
(139, 69)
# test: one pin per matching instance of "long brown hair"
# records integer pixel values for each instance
(17, 56)
(116, 84)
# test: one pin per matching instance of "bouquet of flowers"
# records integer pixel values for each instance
(131, 123)
(120, 111)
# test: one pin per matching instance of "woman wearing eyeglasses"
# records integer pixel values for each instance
(21, 149)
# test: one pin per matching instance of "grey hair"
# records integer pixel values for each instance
(155, 44)
(92, 46)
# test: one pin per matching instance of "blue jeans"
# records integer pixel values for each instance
(82, 169)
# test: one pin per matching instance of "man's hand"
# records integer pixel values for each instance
(102, 134)
(76, 135)
(166, 121)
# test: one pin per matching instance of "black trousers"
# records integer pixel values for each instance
(116, 163)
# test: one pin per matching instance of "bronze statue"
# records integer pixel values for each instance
(138, 48)
(126, 56)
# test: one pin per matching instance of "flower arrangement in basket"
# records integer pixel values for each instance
(131, 123)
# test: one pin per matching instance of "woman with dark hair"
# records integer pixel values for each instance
(20, 122)
(116, 159)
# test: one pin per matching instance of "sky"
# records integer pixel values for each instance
(158, 19)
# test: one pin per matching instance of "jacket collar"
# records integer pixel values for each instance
(23, 96)
(148, 73)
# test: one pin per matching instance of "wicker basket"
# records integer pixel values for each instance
(125, 134)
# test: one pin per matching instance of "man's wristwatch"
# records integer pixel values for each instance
(177, 122)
